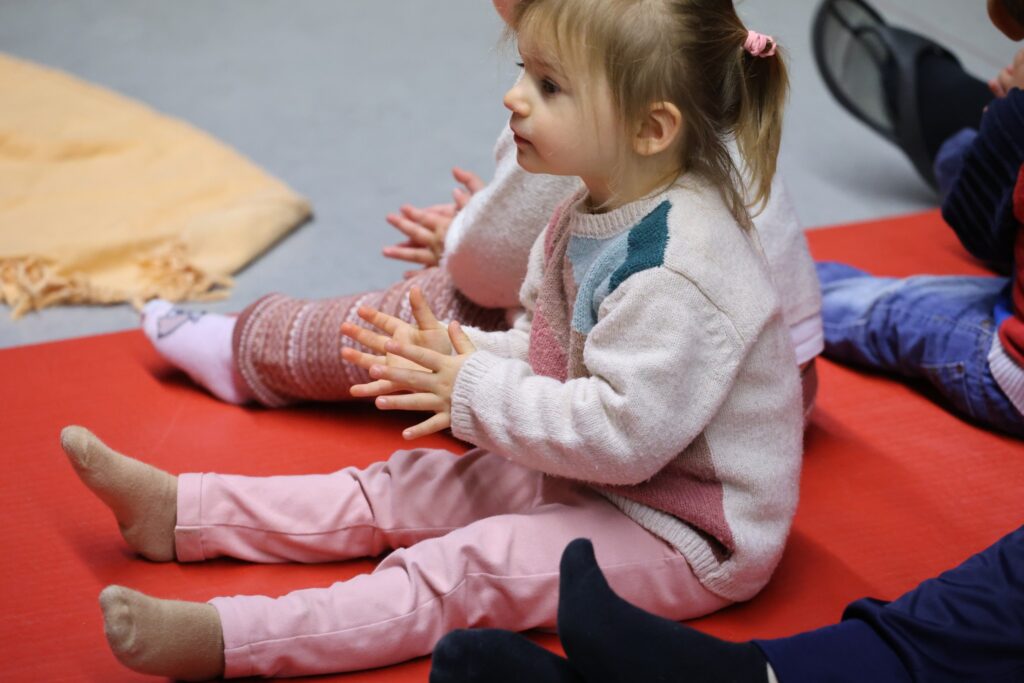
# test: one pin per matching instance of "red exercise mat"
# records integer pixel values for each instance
(894, 490)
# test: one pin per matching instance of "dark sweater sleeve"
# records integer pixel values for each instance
(979, 206)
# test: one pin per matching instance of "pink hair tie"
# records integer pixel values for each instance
(756, 43)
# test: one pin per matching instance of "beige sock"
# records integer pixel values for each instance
(143, 499)
(182, 640)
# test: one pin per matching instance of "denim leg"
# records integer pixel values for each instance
(939, 329)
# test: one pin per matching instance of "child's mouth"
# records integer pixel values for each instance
(519, 139)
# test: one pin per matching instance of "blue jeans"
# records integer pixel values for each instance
(938, 329)
(967, 624)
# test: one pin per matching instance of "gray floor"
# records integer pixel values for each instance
(364, 104)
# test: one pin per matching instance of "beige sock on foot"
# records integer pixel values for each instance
(143, 499)
(182, 640)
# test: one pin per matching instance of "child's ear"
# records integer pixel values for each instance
(659, 130)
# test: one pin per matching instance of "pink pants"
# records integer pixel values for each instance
(478, 541)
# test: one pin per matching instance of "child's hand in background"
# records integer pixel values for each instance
(1010, 77)
(426, 228)
(471, 184)
(412, 359)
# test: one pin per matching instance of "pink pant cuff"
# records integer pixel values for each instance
(238, 661)
(188, 540)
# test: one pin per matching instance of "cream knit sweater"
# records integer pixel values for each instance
(488, 244)
(652, 362)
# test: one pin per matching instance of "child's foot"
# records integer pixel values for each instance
(199, 344)
(181, 640)
(489, 655)
(143, 499)
(609, 639)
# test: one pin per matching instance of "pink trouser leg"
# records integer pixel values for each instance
(351, 513)
(480, 541)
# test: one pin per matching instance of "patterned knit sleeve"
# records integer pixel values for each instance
(658, 342)
(979, 206)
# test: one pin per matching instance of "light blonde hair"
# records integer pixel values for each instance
(687, 52)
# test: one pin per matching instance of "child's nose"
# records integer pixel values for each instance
(515, 101)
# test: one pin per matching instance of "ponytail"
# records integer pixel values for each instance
(729, 83)
(762, 87)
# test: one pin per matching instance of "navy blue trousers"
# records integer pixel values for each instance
(967, 624)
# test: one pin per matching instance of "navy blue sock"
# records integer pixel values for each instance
(609, 640)
(495, 656)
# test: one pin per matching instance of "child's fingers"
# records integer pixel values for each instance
(403, 378)
(380, 320)
(471, 180)
(376, 388)
(430, 220)
(460, 340)
(447, 210)
(461, 198)
(426, 358)
(410, 211)
(363, 360)
(421, 255)
(367, 338)
(1018, 58)
(410, 228)
(428, 426)
(423, 401)
(425, 319)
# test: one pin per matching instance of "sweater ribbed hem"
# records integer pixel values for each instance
(681, 536)
(1008, 375)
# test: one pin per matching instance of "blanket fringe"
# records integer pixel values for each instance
(31, 283)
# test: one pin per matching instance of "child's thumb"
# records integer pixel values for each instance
(460, 340)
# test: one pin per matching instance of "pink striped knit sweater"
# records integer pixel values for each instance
(652, 362)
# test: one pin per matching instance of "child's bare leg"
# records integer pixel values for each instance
(142, 498)
(182, 640)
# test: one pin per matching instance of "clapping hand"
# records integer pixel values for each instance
(414, 359)
(425, 228)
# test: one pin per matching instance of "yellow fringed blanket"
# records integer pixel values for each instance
(103, 200)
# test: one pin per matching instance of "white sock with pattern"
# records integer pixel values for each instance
(199, 344)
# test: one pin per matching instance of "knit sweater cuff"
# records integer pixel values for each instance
(1008, 375)
(468, 384)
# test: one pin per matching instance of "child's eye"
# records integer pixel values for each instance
(549, 87)
(520, 65)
